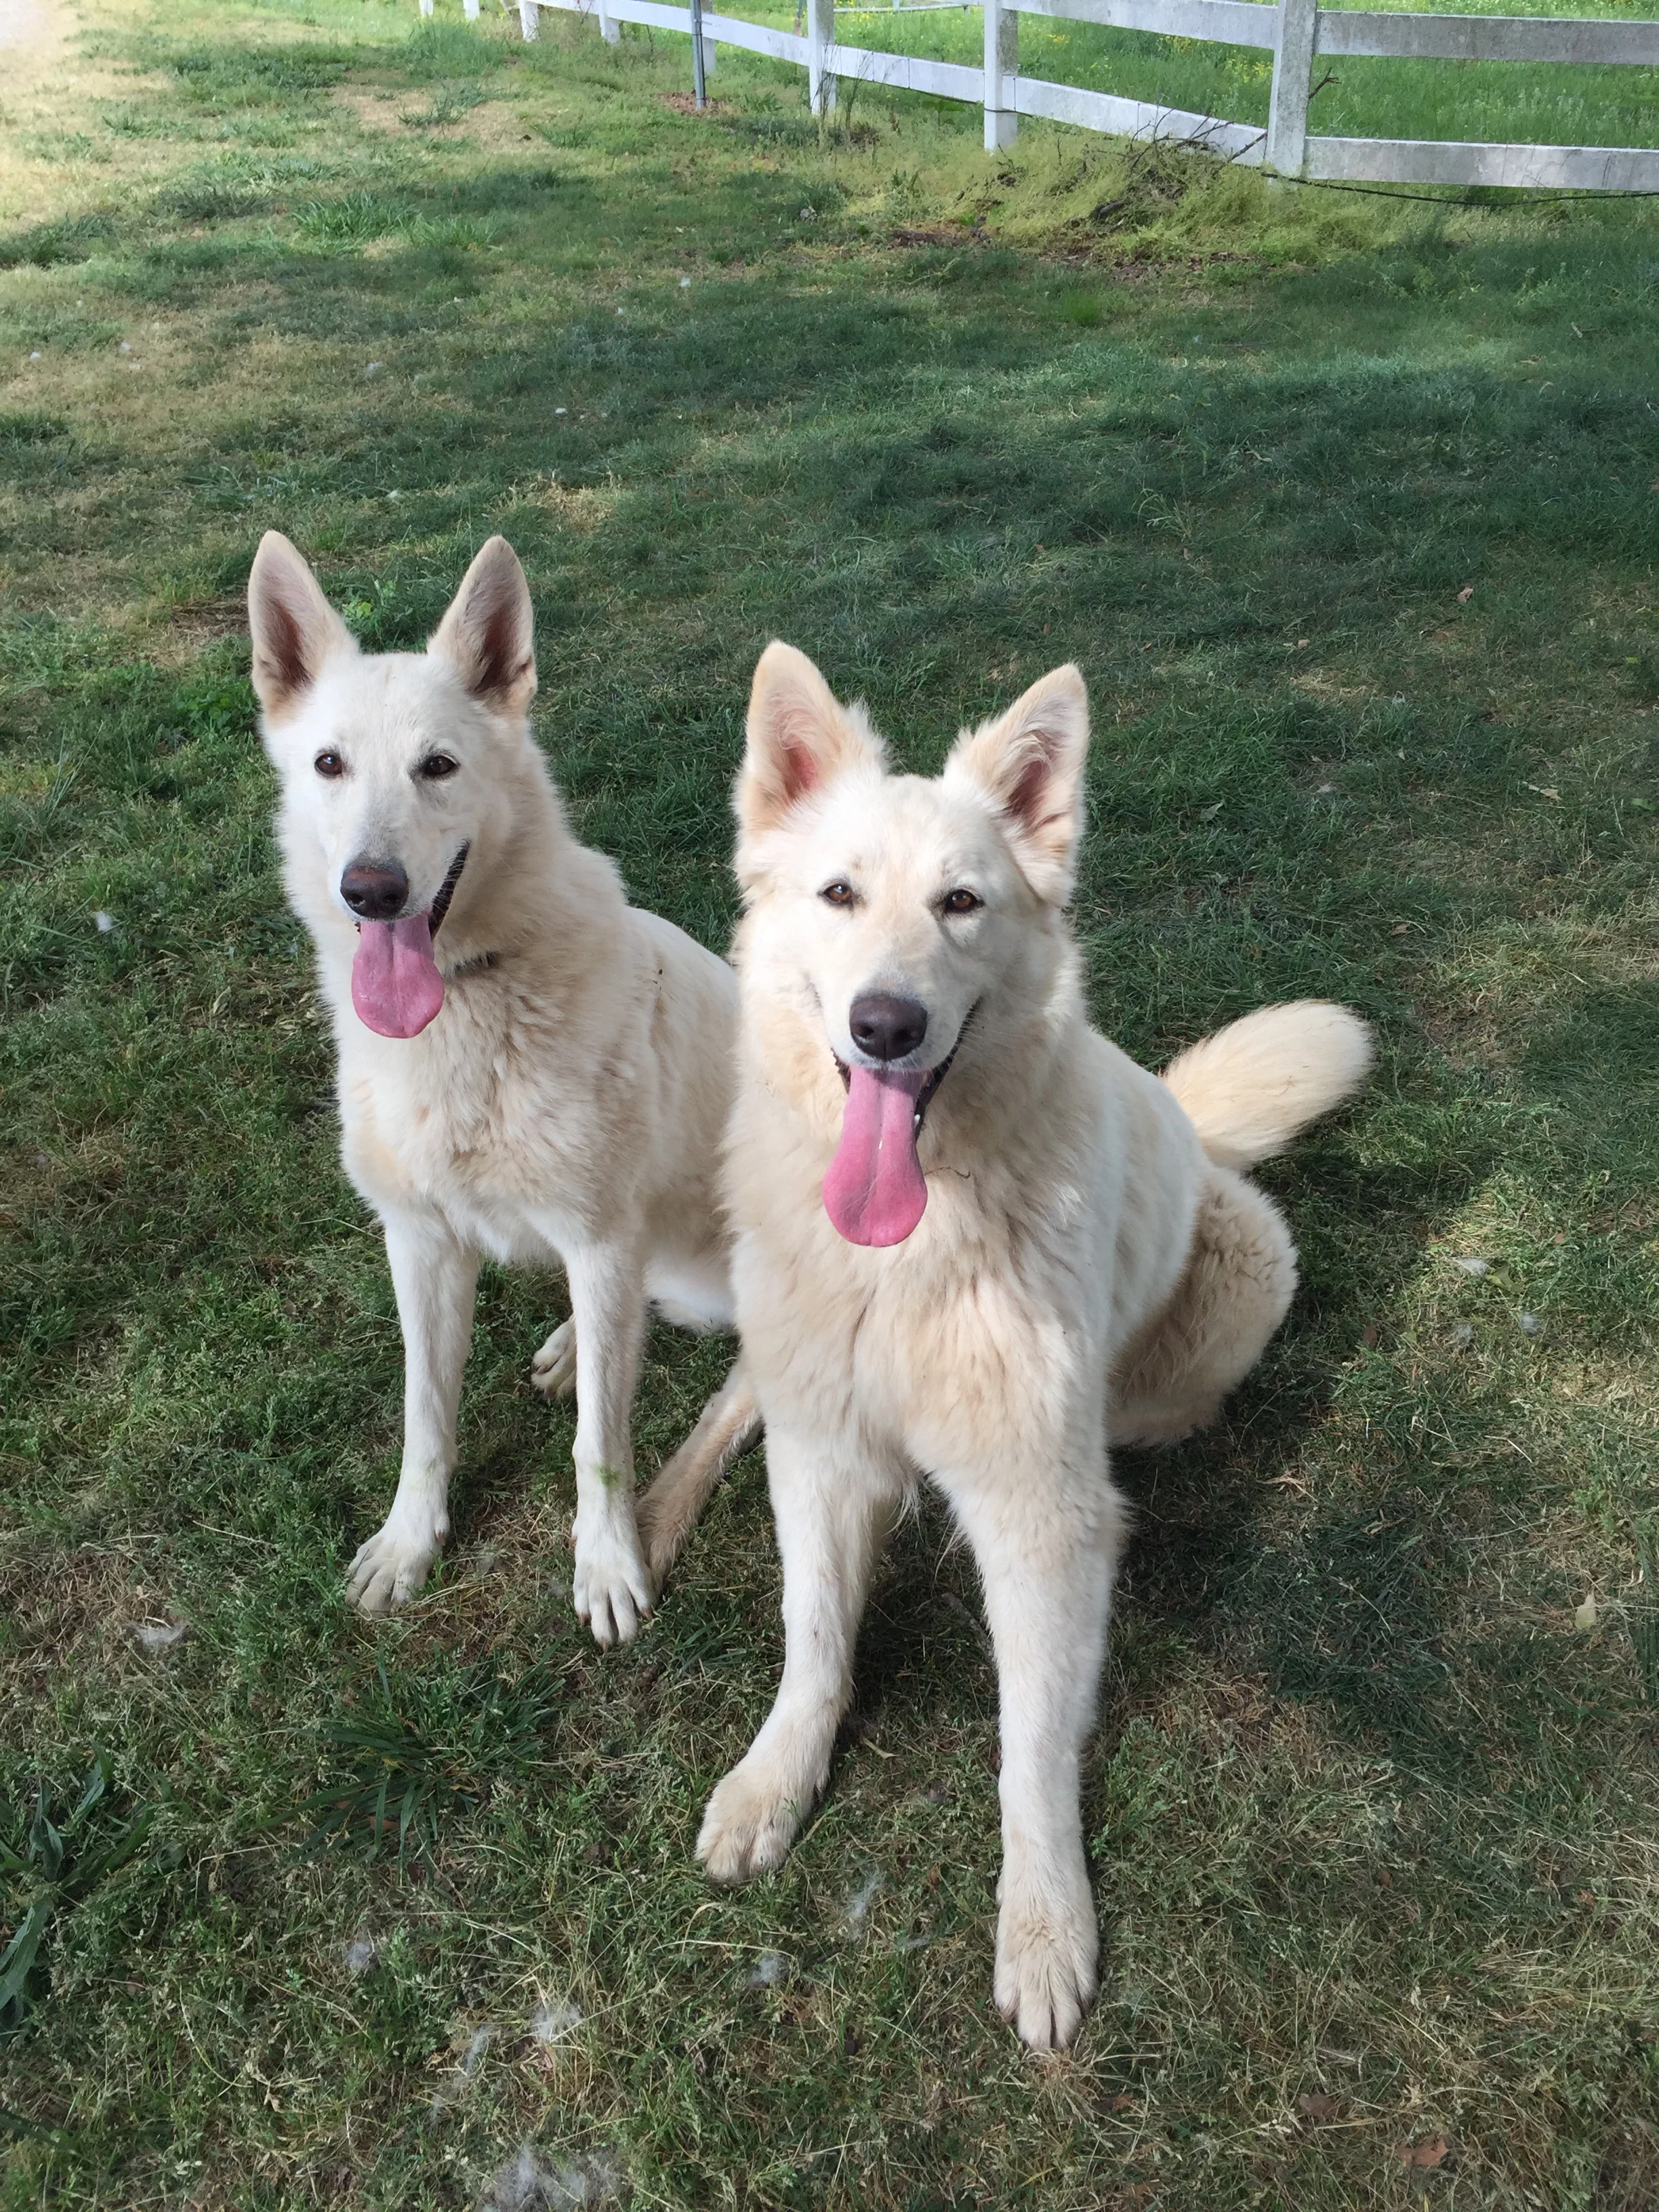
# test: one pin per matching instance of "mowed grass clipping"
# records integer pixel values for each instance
(1349, 511)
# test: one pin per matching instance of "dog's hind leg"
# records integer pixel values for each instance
(434, 1278)
(553, 1369)
(1239, 1281)
(672, 1507)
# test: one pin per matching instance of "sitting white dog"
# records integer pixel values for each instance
(529, 1069)
(974, 1242)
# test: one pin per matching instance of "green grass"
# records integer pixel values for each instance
(1349, 511)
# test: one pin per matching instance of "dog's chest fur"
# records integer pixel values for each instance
(528, 1113)
(488, 1119)
(1054, 1228)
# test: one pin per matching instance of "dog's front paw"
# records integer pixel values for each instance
(553, 1369)
(392, 1565)
(1047, 1950)
(613, 1590)
(750, 1824)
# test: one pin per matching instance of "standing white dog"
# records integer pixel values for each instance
(972, 1241)
(547, 1083)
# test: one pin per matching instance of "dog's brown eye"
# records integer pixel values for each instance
(436, 766)
(963, 901)
(838, 893)
(329, 764)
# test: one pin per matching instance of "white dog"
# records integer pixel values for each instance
(974, 1242)
(546, 1081)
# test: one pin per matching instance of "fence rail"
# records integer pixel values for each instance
(1295, 32)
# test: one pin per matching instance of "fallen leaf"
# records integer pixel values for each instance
(1369, 1336)
(1426, 2151)
(1584, 1615)
(1121, 2104)
(1468, 593)
(1314, 2105)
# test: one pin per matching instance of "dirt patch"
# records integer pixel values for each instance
(191, 630)
(374, 111)
(578, 507)
(59, 1603)
(491, 123)
(684, 103)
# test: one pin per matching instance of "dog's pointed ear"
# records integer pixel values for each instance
(1029, 763)
(292, 626)
(489, 631)
(801, 737)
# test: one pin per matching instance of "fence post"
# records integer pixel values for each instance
(530, 21)
(470, 9)
(609, 28)
(820, 44)
(699, 91)
(1287, 113)
(1001, 70)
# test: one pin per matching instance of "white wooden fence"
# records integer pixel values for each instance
(1297, 32)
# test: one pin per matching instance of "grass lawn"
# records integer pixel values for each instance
(1349, 509)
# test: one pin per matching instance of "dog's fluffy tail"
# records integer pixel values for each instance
(1252, 1087)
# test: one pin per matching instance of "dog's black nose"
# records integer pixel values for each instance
(376, 890)
(887, 1029)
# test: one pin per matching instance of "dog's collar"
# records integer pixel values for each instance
(935, 1075)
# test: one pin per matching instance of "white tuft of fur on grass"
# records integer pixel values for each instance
(553, 2019)
(855, 1914)
(158, 1635)
(530, 2183)
(360, 1952)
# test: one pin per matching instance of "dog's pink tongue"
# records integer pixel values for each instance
(874, 1191)
(395, 984)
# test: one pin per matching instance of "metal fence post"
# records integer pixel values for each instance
(820, 44)
(698, 87)
(1287, 114)
(1001, 70)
